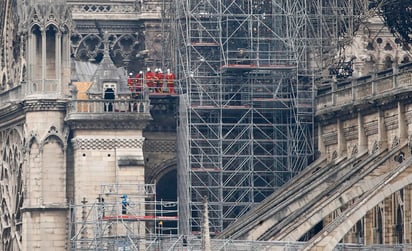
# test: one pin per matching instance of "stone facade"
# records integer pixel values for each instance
(66, 147)
(62, 144)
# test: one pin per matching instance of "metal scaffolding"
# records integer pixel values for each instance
(246, 70)
(123, 217)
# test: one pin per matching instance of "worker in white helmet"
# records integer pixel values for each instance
(159, 81)
(170, 80)
(150, 77)
(130, 81)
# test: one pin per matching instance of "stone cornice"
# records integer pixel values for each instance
(107, 125)
(98, 142)
(108, 121)
(366, 106)
(166, 146)
(44, 105)
(11, 114)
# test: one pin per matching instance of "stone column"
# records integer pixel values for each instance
(341, 139)
(58, 63)
(388, 224)
(321, 145)
(368, 228)
(402, 124)
(408, 214)
(382, 135)
(43, 58)
(30, 61)
(362, 139)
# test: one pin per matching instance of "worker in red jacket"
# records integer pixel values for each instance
(139, 82)
(159, 79)
(130, 81)
(150, 78)
(170, 79)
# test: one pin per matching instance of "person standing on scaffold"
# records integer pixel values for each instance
(125, 203)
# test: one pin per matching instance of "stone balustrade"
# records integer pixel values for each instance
(125, 9)
(364, 89)
(108, 106)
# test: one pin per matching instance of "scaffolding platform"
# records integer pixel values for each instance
(205, 169)
(204, 44)
(283, 100)
(247, 67)
(140, 218)
(122, 216)
(229, 107)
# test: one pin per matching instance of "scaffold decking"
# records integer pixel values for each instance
(246, 70)
(122, 216)
(140, 217)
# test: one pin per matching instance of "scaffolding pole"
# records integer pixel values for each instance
(123, 217)
(247, 71)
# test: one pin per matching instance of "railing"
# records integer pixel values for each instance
(114, 7)
(48, 88)
(42, 86)
(11, 95)
(109, 106)
(152, 86)
(364, 88)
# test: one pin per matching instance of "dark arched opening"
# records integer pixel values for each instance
(166, 194)
(399, 224)
(108, 95)
(359, 231)
(379, 227)
(388, 62)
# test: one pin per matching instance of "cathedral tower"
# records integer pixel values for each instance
(47, 26)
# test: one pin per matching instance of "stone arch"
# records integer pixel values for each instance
(379, 223)
(371, 45)
(89, 47)
(11, 175)
(32, 140)
(358, 211)
(53, 135)
(387, 61)
(35, 62)
(389, 45)
(404, 59)
(53, 165)
(312, 219)
(165, 178)
(51, 38)
(161, 169)
(399, 218)
(35, 27)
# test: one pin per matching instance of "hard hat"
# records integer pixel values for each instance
(140, 72)
(148, 69)
(157, 69)
(168, 70)
(130, 74)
